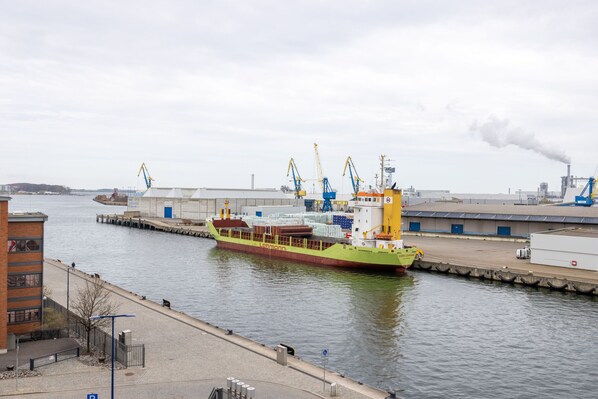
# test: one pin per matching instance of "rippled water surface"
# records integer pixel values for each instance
(426, 335)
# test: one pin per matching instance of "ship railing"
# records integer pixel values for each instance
(317, 245)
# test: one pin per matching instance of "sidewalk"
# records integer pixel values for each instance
(185, 358)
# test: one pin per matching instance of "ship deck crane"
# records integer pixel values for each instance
(355, 179)
(297, 180)
(146, 176)
(327, 193)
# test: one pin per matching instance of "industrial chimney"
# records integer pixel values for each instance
(569, 179)
(252, 181)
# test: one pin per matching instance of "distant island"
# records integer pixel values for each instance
(31, 188)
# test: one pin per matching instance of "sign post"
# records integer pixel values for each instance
(324, 361)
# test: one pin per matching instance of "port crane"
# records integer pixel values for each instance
(297, 180)
(587, 200)
(146, 176)
(327, 193)
(355, 179)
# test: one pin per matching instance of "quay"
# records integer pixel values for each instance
(185, 358)
(494, 259)
(486, 258)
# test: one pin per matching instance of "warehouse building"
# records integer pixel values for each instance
(495, 220)
(21, 271)
(202, 203)
(573, 248)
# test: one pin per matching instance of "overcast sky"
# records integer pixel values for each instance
(477, 96)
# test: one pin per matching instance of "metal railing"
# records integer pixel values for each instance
(127, 355)
(53, 358)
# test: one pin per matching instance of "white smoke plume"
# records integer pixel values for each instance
(499, 134)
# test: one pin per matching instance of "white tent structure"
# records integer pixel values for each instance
(202, 203)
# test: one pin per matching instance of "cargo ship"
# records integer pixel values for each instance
(375, 241)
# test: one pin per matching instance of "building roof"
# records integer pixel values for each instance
(518, 213)
(212, 193)
(4, 198)
(27, 217)
(572, 232)
(232, 193)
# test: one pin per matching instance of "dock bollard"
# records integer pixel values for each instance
(251, 393)
(244, 390)
(281, 355)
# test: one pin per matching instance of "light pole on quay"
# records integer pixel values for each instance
(68, 290)
(114, 316)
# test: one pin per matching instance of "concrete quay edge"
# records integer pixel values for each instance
(293, 362)
(532, 278)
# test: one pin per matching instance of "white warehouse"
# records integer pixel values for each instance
(574, 248)
(202, 203)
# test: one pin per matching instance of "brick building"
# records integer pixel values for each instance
(21, 273)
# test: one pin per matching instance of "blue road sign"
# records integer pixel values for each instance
(92, 396)
(325, 352)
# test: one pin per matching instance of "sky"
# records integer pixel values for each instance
(468, 96)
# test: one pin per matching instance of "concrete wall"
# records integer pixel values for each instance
(564, 251)
(484, 227)
(199, 209)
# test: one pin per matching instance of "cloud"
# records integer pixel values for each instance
(206, 91)
(499, 134)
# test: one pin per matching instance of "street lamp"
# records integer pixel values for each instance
(17, 369)
(68, 324)
(114, 316)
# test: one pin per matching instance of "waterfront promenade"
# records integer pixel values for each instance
(185, 358)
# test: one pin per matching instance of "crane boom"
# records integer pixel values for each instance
(355, 179)
(146, 176)
(328, 193)
(297, 180)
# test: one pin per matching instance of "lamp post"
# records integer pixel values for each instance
(68, 318)
(114, 316)
(17, 368)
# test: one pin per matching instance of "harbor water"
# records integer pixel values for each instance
(424, 335)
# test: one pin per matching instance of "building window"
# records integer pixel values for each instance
(25, 245)
(24, 315)
(24, 280)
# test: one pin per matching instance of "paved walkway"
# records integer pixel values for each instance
(185, 358)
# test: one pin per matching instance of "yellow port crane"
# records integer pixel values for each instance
(355, 179)
(146, 176)
(297, 180)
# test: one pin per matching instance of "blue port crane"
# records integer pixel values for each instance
(328, 194)
(146, 176)
(587, 200)
(297, 180)
(355, 179)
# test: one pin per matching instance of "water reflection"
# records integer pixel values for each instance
(429, 335)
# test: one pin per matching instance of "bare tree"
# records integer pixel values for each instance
(93, 300)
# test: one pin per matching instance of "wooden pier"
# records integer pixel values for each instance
(174, 226)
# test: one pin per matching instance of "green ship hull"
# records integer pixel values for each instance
(314, 251)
